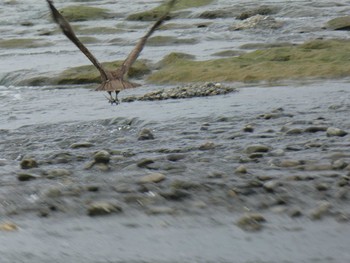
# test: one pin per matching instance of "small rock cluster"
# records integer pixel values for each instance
(189, 91)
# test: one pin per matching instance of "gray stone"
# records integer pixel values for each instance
(295, 212)
(332, 131)
(314, 129)
(289, 163)
(322, 186)
(175, 194)
(248, 128)
(339, 23)
(251, 222)
(339, 164)
(277, 152)
(242, 169)
(145, 134)
(256, 148)
(102, 157)
(81, 145)
(28, 163)
(26, 177)
(294, 131)
(53, 192)
(144, 163)
(175, 157)
(207, 146)
(258, 21)
(271, 186)
(319, 212)
(261, 10)
(152, 178)
(58, 173)
(103, 208)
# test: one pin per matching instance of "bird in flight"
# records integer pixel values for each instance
(112, 81)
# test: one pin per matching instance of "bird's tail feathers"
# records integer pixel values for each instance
(116, 85)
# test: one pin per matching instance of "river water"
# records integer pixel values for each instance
(42, 122)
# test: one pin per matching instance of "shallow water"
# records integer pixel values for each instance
(43, 122)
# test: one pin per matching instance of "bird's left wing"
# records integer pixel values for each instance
(68, 31)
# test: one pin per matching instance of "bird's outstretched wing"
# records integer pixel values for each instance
(129, 61)
(68, 31)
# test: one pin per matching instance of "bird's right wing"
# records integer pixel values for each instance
(68, 31)
(139, 46)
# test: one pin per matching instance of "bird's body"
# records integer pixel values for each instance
(112, 81)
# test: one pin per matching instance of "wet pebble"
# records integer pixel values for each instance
(271, 186)
(289, 163)
(313, 129)
(181, 184)
(8, 227)
(207, 146)
(320, 211)
(145, 134)
(152, 178)
(256, 155)
(248, 128)
(78, 145)
(26, 177)
(294, 131)
(102, 157)
(256, 148)
(251, 222)
(343, 217)
(28, 163)
(175, 157)
(277, 152)
(53, 192)
(103, 208)
(144, 163)
(242, 169)
(55, 173)
(322, 186)
(332, 131)
(295, 212)
(174, 194)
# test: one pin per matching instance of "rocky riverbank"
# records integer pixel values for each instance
(284, 160)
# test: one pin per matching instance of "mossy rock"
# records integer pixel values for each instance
(89, 74)
(23, 43)
(157, 12)
(261, 10)
(89, 40)
(174, 57)
(98, 30)
(84, 13)
(313, 59)
(169, 40)
(339, 23)
(228, 53)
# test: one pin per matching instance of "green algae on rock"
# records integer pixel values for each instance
(313, 59)
(83, 13)
(169, 40)
(89, 74)
(23, 43)
(339, 23)
(158, 11)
